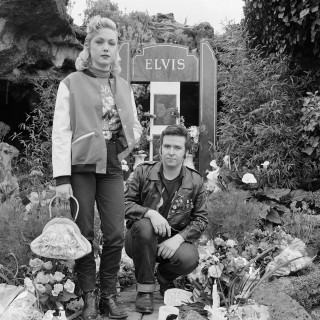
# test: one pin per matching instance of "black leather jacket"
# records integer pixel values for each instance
(188, 211)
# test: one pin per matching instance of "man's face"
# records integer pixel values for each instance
(172, 151)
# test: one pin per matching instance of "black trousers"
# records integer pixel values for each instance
(108, 193)
(141, 245)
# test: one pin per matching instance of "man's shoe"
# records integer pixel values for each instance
(164, 283)
(90, 310)
(109, 307)
(144, 302)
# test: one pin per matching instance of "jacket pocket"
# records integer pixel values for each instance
(84, 136)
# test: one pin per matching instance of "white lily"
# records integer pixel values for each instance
(249, 178)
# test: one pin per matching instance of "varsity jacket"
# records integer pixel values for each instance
(78, 144)
(187, 215)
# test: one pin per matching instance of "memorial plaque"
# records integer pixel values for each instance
(166, 63)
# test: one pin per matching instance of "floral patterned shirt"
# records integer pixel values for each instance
(111, 123)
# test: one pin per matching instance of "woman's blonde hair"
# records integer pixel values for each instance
(96, 23)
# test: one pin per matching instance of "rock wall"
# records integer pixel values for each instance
(36, 37)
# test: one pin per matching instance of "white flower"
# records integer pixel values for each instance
(231, 243)
(214, 165)
(215, 271)
(41, 288)
(48, 315)
(124, 167)
(39, 198)
(265, 164)
(42, 278)
(218, 241)
(29, 284)
(57, 288)
(48, 265)
(69, 286)
(249, 178)
(226, 161)
(36, 264)
(240, 262)
(58, 276)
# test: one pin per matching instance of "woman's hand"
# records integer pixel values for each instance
(64, 191)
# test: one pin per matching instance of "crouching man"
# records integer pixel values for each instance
(165, 206)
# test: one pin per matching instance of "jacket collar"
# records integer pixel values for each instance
(186, 176)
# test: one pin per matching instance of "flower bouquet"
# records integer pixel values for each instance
(194, 133)
(52, 282)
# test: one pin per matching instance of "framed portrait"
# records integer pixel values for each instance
(163, 107)
(164, 100)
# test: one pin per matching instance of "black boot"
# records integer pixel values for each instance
(144, 302)
(109, 307)
(164, 283)
(90, 310)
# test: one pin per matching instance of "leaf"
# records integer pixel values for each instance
(273, 216)
(67, 296)
(298, 195)
(314, 9)
(304, 12)
(275, 193)
(308, 150)
(262, 208)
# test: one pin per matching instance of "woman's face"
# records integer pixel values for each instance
(103, 48)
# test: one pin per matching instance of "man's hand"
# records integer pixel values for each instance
(168, 248)
(159, 223)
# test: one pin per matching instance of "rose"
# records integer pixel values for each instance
(48, 265)
(42, 278)
(29, 284)
(36, 264)
(57, 288)
(215, 270)
(40, 287)
(58, 276)
(69, 286)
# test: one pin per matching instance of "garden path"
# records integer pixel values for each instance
(127, 299)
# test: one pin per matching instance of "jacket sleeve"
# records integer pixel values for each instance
(137, 128)
(199, 220)
(133, 202)
(61, 134)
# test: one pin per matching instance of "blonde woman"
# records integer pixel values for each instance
(95, 126)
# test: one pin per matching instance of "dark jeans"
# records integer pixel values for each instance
(141, 245)
(107, 191)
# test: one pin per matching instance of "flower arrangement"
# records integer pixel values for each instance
(52, 282)
(234, 270)
(194, 133)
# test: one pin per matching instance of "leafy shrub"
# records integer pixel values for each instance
(18, 228)
(288, 26)
(298, 222)
(310, 128)
(35, 134)
(230, 215)
(259, 118)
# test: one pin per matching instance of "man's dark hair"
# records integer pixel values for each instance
(176, 130)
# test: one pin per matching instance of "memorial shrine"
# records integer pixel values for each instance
(174, 73)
